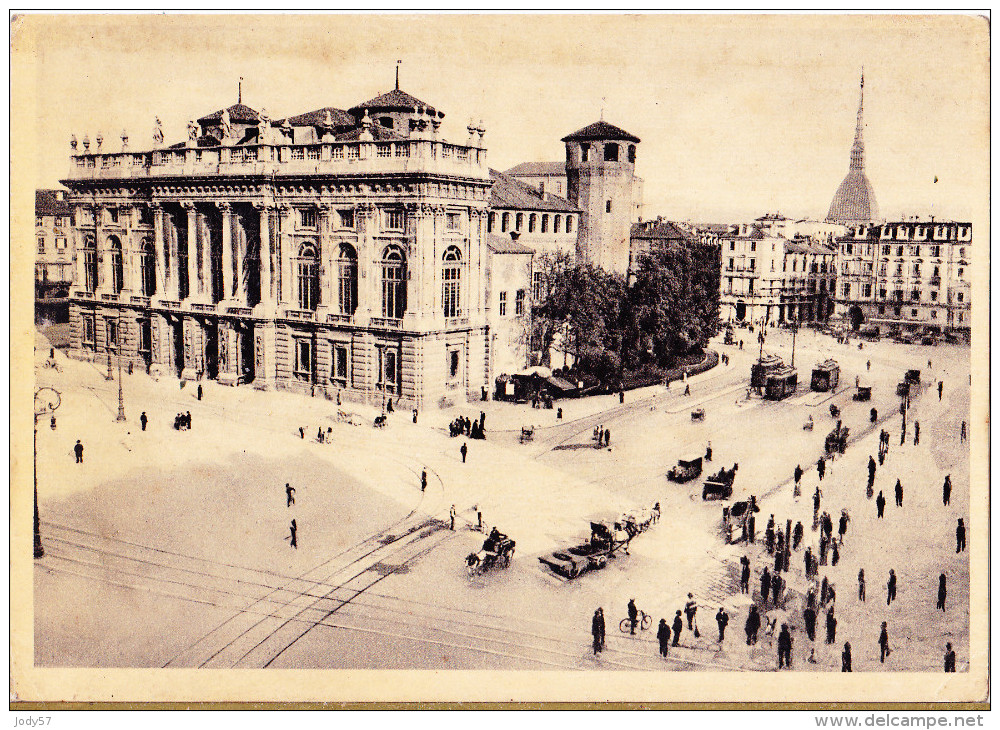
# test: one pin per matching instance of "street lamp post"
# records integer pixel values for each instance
(47, 400)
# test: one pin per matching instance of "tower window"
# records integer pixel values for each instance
(569, 224)
(611, 152)
(607, 206)
(584, 152)
(631, 153)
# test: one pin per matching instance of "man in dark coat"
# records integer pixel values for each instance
(959, 534)
(143, 421)
(844, 519)
(663, 636)
(293, 536)
(289, 495)
(78, 450)
(899, 493)
(776, 588)
(891, 588)
(597, 630)
(808, 558)
(797, 535)
(745, 575)
(871, 470)
(946, 491)
(916, 433)
(678, 627)
(942, 591)
(769, 535)
(465, 451)
(949, 658)
(883, 642)
(722, 619)
(752, 625)
(633, 615)
(784, 647)
(831, 626)
(940, 388)
(765, 584)
(798, 473)
(845, 658)
(809, 615)
(423, 480)
(816, 497)
(690, 609)
(821, 467)
(880, 504)
(861, 585)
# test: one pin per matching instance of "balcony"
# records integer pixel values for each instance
(109, 297)
(332, 158)
(83, 294)
(340, 318)
(452, 322)
(299, 315)
(239, 311)
(196, 307)
(386, 323)
(144, 301)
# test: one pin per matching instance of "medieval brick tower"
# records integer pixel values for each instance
(600, 173)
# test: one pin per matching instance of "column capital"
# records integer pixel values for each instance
(224, 207)
(155, 206)
(366, 209)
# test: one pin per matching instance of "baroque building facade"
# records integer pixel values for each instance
(53, 254)
(332, 253)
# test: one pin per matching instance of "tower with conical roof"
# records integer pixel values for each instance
(854, 201)
(600, 180)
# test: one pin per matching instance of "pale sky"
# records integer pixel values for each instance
(738, 115)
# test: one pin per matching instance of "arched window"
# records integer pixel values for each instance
(556, 224)
(347, 278)
(505, 224)
(393, 282)
(520, 222)
(308, 267)
(147, 267)
(451, 277)
(89, 264)
(490, 222)
(569, 224)
(545, 223)
(532, 222)
(117, 266)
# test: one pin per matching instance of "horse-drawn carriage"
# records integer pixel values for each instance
(720, 484)
(607, 539)
(836, 440)
(698, 414)
(527, 434)
(736, 516)
(864, 393)
(687, 469)
(496, 553)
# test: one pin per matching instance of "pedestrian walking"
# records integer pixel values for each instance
(414, 414)
(940, 388)
(821, 468)
(916, 433)
(765, 584)
(831, 626)
(963, 431)
(293, 534)
(752, 625)
(745, 575)
(200, 392)
(289, 495)
(722, 619)
(861, 585)
(899, 493)
(690, 609)
(890, 595)
(834, 552)
(78, 450)
(880, 504)
(959, 534)
(663, 636)
(607, 437)
(784, 647)
(798, 473)
(143, 420)
(187, 420)
(752, 529)
(868, 365)
(797, 535)
(777, 585)
(451, 516)
(949, 658)
(621, 396)
(597, 630)
(678, 627)
(844, 520)
(708, 452)
(423, 480)
(465, 451)
(687, 389)
(824, 591)
(883, 642)
(807, 558)
(809, 616)
(871, 469)
(946, 490)
(769, 535)
(302, 433)
(845, 658)
(633, 615)
(817, 495)
(942, 591)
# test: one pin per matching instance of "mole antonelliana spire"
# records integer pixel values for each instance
(854, 201)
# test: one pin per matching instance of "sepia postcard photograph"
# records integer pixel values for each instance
(499, 358)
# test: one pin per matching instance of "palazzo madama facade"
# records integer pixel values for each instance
(336, 252)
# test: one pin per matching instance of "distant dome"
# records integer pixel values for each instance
(854, 201)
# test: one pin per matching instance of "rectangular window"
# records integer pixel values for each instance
(885, 250)
(353, 153)
(933, 314)
(313, 153)
(732, 245)
(454, 364)
(111, 329)
(849, 248)
(113, 215)
(388, 374)
(346, 218)
(537, 286)
(383, 150)
(753, 264)
(307, 218)
(847, 290)
(607, 207)
(584, 152)
(394, 220)
(519, 302)
(503, 304)
(89, 331)
(339, 364)
(913, 312)
(60, 244)
(868, 290)
(960, 296)
(41, 244)
(454, 221)
(298, 153)
(303, 359)
(933, 295)
(753, 245)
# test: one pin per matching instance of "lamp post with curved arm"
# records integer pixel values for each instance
(47, 400)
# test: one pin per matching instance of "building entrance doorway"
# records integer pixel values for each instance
(212, 349)
(177, 342)
(857, 317)
(741, 311)
(245, 362)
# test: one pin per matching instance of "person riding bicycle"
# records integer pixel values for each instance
(633, 614)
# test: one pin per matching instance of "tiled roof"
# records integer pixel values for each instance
(509, 192)
(237, 113)
(46, 203)
(506, 244)
(804, 245)
(538, 168)
(379, 132)
(854, 201)
(395, 101)
(600, 130)
(659, 230)
(316, 118)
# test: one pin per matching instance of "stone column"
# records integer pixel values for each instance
(227, 252)
(327, 260)
(205, 239)
(173, 261)
(285, 256)
(80, 279)
(369, 270)
(159, 246)
(160, 345)
(192, 249)
(266, 281)
(192, 342)
(241, 253)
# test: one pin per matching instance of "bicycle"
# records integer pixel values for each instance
(643, 621)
